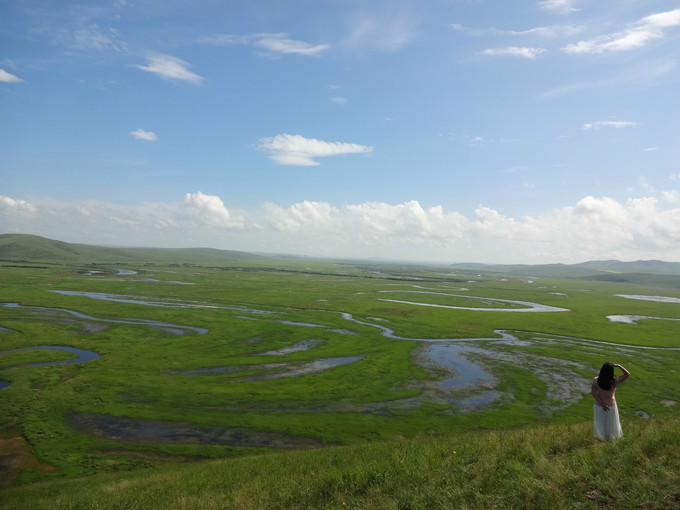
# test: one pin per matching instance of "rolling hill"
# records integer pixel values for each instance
(30, 248)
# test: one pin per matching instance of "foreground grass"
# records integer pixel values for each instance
(554, 466)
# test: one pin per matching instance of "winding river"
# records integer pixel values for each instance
(452, 354)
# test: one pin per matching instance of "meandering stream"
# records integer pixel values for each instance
(453, 355)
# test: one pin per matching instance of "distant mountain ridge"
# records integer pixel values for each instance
(597, 269)
(31, 248)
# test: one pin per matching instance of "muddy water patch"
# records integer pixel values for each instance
(15, 456)
(134, 430)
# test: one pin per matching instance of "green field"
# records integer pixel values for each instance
(257, 355)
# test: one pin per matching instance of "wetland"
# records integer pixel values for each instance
(284, 354)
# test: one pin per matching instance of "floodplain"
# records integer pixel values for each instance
(118, 367)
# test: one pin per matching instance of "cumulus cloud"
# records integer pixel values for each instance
(618, 124)
(274, 43)
(671, 196)
(515, 51)
(10, 206)
(170, 68)
(558, 6)
(297, 150)
(637, 35)
(140, 134)
(209, 210)
(6, 77)
(592, 228)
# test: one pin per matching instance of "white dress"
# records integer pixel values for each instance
(606, 424)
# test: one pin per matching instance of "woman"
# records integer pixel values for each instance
(606, 423)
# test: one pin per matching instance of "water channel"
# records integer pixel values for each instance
(463, 359)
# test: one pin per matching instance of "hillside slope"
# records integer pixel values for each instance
(556, 467)
(30, 248)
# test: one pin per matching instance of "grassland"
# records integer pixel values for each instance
(371, 424)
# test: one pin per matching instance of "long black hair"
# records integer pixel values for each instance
(606, 378)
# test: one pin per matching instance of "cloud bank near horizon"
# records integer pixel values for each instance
(593, 228)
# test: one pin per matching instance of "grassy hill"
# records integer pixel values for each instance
(30, 248)
(555, 466)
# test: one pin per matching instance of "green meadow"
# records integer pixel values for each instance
(287, 363)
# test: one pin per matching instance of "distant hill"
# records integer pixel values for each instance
(30, 248)
(655, 273)
(600, 269)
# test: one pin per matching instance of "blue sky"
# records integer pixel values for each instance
(435, 130)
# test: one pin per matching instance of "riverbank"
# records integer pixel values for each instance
(553, 466)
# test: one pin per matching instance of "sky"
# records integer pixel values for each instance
(531, 131)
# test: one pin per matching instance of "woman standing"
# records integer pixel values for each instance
(606, 424)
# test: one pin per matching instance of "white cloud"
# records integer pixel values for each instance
(96, 38)
(297, 150)
(558, 6)
(278, 44)
(275, 43)
(140, 134)
(209, 210)
(593, 228)
(515, 51)
(170, 68)
(6, 77)
(548, 32)
(651, 149)
(671, 196)
(304, 216)
(339, 100)
(618, 124)
(381, 32)
(11, 206)
(86, 38)
(637, 35)
(551, 31)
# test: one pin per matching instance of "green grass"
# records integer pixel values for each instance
(557, 466)
(357, 409)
